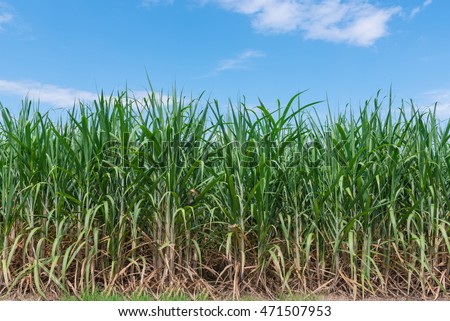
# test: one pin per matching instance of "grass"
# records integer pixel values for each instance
(175, 296)
(166, 296)
(101, 296)
(173, 194)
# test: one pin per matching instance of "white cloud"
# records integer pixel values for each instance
(357, 22)
(240, 61)
(416, 10)
(149, 3)
(47, 93)
(6, 15)
(268, 15)
(442, 98)
(68, 97)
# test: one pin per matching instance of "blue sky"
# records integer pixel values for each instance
(60, 51)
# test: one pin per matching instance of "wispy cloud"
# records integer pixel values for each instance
(6, 15)
(240, 61)
(356, 22)
(442, 98)
(63, 97)
(416, 10)
(149, 3)
(47, 93)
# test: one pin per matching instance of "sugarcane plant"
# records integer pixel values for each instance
(166, 193)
